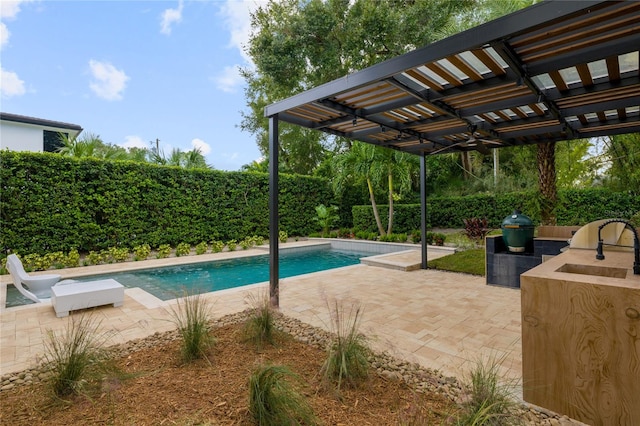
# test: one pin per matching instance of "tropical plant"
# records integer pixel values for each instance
(216, 246)
(141, 252)
(183, 249)
(326, 217)
(275, 401)
(73, 259)
(191, 316)
(283, 236)
(347, 354)
(201, 248)
(70, 353)
(476, 229)
(163, 251)
(374, 165)
(231, 245)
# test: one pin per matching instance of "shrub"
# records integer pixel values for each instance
(416, 236)
(114, 254)
(202, 248)
(476, 229)
(283, 236)
(70, 355)
(347, 354)
(72, 259)
(191, 316)
(257, 240)
(55, 259)
(246, 243)
(217, 246)
(95, 258)
(345, 233)
(141, 252)
(183, 249)
(231, 245)
(164, 250)
(260, 328)
(274, 401)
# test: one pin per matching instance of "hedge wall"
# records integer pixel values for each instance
(575, 207)
(50, 203)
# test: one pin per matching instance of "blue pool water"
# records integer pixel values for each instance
(169, 282)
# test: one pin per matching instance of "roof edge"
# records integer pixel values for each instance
(5, 116)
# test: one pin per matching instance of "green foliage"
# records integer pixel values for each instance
(183, 249)
(202, 248)
(347, 354)
(476, 229)
(623, 157)
(72, 259)
(275, 401)
(114, 254)
(326, 217)
(283, 236)
(491, 401)
(231, 245)
(71, 353)
(575, 207)
(258, 240)
(141, 252)
(365, 235)
(260, 329)
(216, 246)
(164, 250)
(94, 258)
(297, 45)
(191, 316)
(467, 261)
(394, 238)
(126, 204)
(247, 243)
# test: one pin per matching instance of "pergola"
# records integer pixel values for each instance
(556, 71)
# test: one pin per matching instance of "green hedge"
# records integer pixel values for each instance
(575, 207)
(51, 203)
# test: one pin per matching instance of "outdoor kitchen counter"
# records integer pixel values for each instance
(581, 336)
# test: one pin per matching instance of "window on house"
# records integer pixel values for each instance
(52, 141)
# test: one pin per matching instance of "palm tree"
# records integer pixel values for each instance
(87, 146)
(374, 165)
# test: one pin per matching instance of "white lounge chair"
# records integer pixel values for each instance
(38, 286)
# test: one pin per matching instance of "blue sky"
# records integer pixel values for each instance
(132, 71)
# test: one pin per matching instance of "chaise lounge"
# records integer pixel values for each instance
(67, 295)
(38, 286)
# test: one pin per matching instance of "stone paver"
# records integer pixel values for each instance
(441, 320)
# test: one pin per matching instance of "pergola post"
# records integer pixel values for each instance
(423, 208)
(274, 216)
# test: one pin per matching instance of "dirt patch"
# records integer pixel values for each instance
(156, 388)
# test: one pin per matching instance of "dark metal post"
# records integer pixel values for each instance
(274, 216)
(423, 208)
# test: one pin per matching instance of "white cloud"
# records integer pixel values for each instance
(4, 34)
(169, 17)
(204, 147)
(109, 82)
(10, 84)
(237, 19)
(229, 79)
(10, 8)
(133, 142)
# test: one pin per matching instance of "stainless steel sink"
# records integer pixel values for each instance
(600, 271)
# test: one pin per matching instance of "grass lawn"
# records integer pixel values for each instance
(467, 261)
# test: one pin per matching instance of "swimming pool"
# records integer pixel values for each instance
(168, 282)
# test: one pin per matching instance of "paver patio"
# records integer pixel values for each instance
(441, 320)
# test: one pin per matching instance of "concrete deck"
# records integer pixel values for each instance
(441, 320)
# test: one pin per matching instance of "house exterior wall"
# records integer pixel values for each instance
(20, 137)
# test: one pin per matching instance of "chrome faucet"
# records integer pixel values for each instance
(636, 243)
